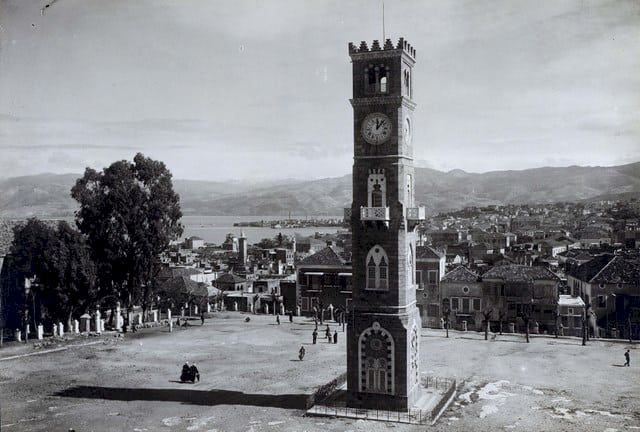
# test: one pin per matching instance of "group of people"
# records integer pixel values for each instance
(189, 373)
(327, 334)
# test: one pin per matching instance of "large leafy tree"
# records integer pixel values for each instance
(59, 261)
(129, 213)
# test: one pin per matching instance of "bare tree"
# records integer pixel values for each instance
(446, 314)
(487, 318)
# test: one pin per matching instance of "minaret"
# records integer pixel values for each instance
(242, 253)
(383, 334)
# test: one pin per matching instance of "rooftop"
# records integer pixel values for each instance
(460, 274)
(520, 273)
(329, 256)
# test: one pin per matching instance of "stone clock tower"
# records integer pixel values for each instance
(383, 335)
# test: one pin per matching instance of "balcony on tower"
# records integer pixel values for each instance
(375, 214)
(415, 215)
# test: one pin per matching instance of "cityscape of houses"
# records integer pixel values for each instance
(561, 269)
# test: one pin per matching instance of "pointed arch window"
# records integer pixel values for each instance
(377, 269)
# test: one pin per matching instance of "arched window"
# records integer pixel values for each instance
(383, 84)
(377, 269)
(407, 83)
(376, 79)
(409, 201)
(410, 272)
(375, 358)
(376, 196)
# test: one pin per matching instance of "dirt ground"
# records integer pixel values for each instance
(253, 381)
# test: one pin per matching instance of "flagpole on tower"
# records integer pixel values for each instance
(383, 32)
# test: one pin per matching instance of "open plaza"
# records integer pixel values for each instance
(252, 380)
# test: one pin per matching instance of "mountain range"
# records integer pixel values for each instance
(48, 195)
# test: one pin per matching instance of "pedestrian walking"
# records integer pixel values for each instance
(335, 337)
(202, 319)
(315, 336)
(301, 353)
(290, 317)
(627, 358)
(327, 331)
(278, 319)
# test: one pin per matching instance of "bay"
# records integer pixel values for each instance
(214, 229)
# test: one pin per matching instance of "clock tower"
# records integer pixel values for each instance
(383, 336)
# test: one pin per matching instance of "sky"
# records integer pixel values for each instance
(252, 90)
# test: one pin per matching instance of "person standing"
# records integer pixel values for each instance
(278, 319)
(315, 336)
(202, 318)
(335, 337)
(627, 358)
(290, 317)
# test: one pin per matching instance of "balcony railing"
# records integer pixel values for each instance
(374, 214)
(416, 214)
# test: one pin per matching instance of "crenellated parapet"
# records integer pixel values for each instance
(402, 46)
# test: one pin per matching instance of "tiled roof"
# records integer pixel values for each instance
(519, 273)
(329, 256)
(172, 272)
(185, 285)
(460, 274)
(427, 252)
(585, 272)
(619, 270)
(230, 278)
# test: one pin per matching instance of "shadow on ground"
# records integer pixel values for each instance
(192, 397)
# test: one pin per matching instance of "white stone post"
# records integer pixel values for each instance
(208, 307)
(154, 313)
(182, 311)
(298, 311)
(170, 320)
(118, 317)
(76, 326)
(140, 318)
(101, 325)
(18, 335)
(464, 326)
(281, 308)
(512, 328)
(87, 322)
(97, 322)
(54, 330)
(266, 308)
(235, 306)
(195, 310)
(331, 312)
(60, 329)
(251, 307)
(40, 332)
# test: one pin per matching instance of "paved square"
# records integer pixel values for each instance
(253, 381)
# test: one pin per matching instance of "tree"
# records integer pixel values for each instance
(487, 318)
(129, 213)
(445, 316)
(526, 317)
(59, 261)
(502, 314)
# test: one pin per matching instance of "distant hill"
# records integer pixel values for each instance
(47, 195)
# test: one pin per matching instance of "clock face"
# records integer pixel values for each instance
(406, 131)
(376, 128)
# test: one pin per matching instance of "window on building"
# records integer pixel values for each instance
(465, 289)
(476, 304)
(383, 84)
(304, 303)
(602, 302)
(376, 196)
(433, 277)
(377, 269)
(419, 278)
(465, 305)
(454, 303)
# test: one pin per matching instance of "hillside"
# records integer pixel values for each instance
(47, 195)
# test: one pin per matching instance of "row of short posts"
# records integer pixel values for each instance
(535, 328)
